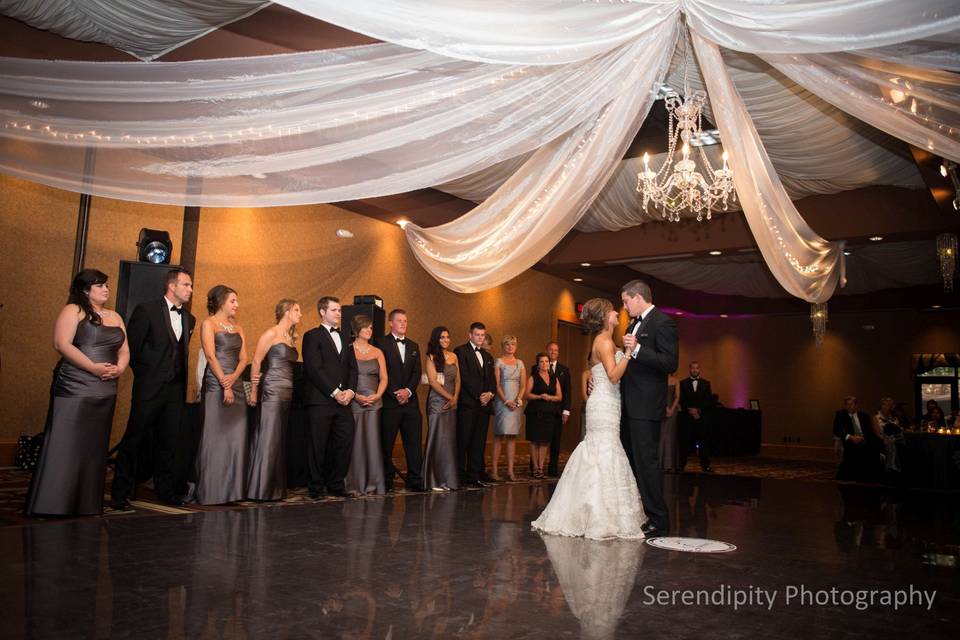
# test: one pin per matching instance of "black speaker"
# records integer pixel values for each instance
(139, 282)
(372, 311)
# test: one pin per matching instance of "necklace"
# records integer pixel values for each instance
(226, 327)
(360, 350)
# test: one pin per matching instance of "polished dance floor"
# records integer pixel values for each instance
(466, 565)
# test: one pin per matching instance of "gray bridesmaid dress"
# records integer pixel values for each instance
(506, 422)
(267, 479)
(221, 466)
(366, 461)
(669, 450)
(440, 458)
(70, 474)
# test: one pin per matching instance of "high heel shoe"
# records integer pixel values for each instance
(511, 477)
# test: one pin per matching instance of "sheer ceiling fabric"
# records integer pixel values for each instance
(797, 37)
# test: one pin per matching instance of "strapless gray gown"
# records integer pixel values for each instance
(366, 461)
(267, 478)
(221, 466)
(69, 476)
(440, 457)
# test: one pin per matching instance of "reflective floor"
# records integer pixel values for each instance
(466, 565)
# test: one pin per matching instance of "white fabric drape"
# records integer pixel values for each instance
(805, 265)
(146, 29)
(288, 129)
(540, 203)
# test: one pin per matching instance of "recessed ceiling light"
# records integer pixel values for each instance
(344, 233)
(584, 264)
(934, 306)
(578, 279)
(723, 315)
(679, 313)
(876, 238)
(716, 252)
(403, 222)
(848, 253)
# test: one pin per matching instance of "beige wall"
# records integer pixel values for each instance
(266, 254)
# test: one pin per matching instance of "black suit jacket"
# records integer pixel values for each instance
(403, 374)
(154, 346)
(843, 425)
(644, 386)
(563, 377)
(473, 379)
(324, 370)
(701, 399)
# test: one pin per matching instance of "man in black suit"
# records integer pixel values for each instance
(651, 340)
(563, 378)
(401, 408)
(327, 397)
(159, 335)
(696, 401)
(477, 386)
(861, 447)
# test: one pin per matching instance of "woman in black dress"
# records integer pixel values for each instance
(92, 343)
(544, 398)
(272, 391)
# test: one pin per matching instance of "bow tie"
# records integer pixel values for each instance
(177, 310)
(334, 330)
(476, 349)
(402, 341)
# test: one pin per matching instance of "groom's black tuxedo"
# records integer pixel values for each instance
(644, 392)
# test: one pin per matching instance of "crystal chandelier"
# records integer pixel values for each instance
(947, 253)
(683, 188)
(818, 317)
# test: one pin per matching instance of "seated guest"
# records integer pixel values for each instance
(888, 429)
(931, 406)
(544, 403)
(861, 455)
(511, 381)
(221, 466)
(92, 344)
(440, 471)
(368, 379)
(900, 413)
(951, 420)
(935, 419)
(272, 393)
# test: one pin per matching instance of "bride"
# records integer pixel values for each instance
(597, 495)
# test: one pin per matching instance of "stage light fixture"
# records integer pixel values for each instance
(154, 246)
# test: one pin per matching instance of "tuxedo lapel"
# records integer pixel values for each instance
(165, 317)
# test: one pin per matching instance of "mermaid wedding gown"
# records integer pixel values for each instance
(597, 495)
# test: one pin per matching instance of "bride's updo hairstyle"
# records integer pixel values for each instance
(594, 314)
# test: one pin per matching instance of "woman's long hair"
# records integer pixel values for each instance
(434, 350)
(281, 309)
(80, 292)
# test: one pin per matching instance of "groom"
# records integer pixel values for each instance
(651, 344)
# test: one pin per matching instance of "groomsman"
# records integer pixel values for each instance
(401, 409)
(563, 378)
(159, 335)
(477, 386)
(327, 397)
(696, 401)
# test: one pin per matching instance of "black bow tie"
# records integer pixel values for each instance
(177, 310)
(476, 349)
(334, 330)
(401, 340)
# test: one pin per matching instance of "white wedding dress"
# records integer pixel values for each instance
(597, 495)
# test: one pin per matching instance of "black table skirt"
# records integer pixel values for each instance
(931, 461)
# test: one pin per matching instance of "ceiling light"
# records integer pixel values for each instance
(848, 253)
(402, 223)
(876, 238)
(715, 252)
(344, 233)
(934, 306)
(584, 264)
(723, 315)
(679, 313)
(578, 279)
(943, 170)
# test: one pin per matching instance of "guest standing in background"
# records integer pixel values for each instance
(888, 430)
(440, 471)
(221, 467)
(272, 394)
(488, 343)
(368, 380)
(92, 344)
(401, 407)
(327, 397)
(861, 448)
(475, 404)
(544, 402)
(563, 377)
(669, 437)
(511, 380)
(696, 400)
(158, 336)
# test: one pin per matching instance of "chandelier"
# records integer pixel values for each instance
(947, 253)
(680, 187)
(818, 317)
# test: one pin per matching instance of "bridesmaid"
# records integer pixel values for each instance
(92, 343)
(221, 466)
(669, 436)
(440, 471)
(511, 380)
(272, 376)
(543, 411)
(368, 379)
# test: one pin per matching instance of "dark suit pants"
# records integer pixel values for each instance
(641, 440)
(472, 424)
(409, 422)
(552, 468)
(331, 443)
(161, 418)
(696, 433)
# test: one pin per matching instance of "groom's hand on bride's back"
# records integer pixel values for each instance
(589, 386)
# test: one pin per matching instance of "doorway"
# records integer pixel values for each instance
(574, 349)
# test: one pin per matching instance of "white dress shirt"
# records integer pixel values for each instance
(857, 429)
(176, 319)
(695, 382)
(337, 340)
(401, 347)
(636, 328)
(479, 354)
